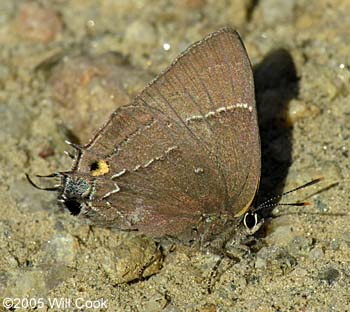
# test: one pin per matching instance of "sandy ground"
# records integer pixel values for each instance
(66, 65)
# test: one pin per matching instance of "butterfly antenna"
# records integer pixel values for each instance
(270, 202)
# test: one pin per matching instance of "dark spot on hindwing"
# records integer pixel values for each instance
(94, 166)
(73, 206)
(99, 168)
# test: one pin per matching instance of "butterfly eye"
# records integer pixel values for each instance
(73, 206)
(250, 220)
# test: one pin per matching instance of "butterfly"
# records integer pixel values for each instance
(183, 154)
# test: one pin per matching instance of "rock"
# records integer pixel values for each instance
(38, 23)
(60, 249)
(25, 283)
(276, 260)
(140, 34)
(94, 87)
(16, 119)
(316, 254)
(298, 110)
(329, 275)
(283, 230)
(133, 258)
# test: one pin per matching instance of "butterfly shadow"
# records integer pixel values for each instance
(276, 84)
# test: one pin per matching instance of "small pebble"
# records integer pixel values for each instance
(94, 87)
(316, 254)
(283, 230)
(329, 275)
(134, 258)
(38, 23)
(298, 110)
(60, 249)
(140, 34)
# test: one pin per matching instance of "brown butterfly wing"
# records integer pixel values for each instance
(188, 145)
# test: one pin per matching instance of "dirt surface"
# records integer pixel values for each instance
(66, 65)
